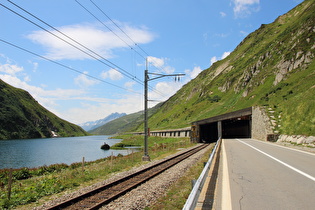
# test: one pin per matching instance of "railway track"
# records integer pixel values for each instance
(103, 195)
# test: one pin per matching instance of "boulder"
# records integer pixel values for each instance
(105, 146)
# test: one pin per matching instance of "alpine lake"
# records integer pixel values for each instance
(33, 153)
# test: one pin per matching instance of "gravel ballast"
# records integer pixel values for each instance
(144, 195)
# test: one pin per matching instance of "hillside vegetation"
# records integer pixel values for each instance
(23, 117)
(273, 68)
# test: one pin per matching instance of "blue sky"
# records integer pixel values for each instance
(177, 36)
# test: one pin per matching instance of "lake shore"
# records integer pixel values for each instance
(45, 187)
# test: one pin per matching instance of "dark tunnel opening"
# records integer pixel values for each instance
(231, 128)
(209, 132)
(236, 128)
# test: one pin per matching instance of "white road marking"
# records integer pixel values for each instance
(279, 161)
(226, 191)
(297, 150)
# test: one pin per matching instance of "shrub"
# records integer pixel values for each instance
(23, 173)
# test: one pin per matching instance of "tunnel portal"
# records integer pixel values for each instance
(236, 128)
(231, 125)
(209, 132)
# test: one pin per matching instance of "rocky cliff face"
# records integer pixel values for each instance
(281, 48)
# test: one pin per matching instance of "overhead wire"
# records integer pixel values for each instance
(102, 11)
(132, 48)
(68, 67)
(147, 54)
(84, 7)
(111, 64)
(124, 72)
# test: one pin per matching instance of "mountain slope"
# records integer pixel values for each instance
(126, 123)
(95, 124)
(22, 117)
(273, 67)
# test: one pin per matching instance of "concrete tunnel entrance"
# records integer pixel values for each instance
(237, 128)
(231, 125)
(209, 132)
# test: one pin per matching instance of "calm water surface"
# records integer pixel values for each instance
(39, 152)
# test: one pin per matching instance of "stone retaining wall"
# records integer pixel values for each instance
(261, 126)
(298, 139)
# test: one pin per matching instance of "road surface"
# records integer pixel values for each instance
(257, 175)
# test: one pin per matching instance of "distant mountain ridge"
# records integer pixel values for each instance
(123, 124)
(22, 117)
(95, 124)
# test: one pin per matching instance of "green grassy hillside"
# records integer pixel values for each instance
(22, 117)
(273, 67)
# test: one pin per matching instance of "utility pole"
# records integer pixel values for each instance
(146, 156)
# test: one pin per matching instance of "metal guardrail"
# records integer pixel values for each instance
(192, 200)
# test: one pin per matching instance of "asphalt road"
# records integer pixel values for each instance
(257, 175)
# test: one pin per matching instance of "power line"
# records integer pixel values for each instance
(124, 72)
(108, 27)
(60, 64)
(102, 11)
(84, 7)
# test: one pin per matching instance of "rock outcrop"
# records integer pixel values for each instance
(298, 139)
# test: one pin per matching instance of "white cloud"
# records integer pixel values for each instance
(83, 81)
(168, 69)
(90, 112)
(130, 84)
(46, 98)
(35, 66)
(160, 63)
(157, 62)
(164, 90)
(38, 91)
(225, 54)
(10, 69)
(112, 74)
(27, 79)
(243, 8)
(100, 41)
(7, 60)
(87, 106)
(194, 73)
(223, 14)
(215, 58)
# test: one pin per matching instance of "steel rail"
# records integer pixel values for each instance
(100, 196)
